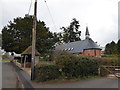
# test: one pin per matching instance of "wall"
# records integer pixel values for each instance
(91, 52)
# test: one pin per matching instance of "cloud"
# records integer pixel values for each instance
(101, 16)
(119, 20)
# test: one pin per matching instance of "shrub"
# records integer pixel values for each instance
(89, 66)
(73, 66)
(110, 61)
(6, 56)
(44, 57)
(46, 71)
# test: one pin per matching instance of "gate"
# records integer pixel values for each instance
(114, 70)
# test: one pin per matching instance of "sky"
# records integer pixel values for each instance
(101, 16)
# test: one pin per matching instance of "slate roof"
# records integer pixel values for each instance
(78, 46)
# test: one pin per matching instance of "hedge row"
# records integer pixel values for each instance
(114, 61)
(46, 71)
(72, 66)
(67, 65)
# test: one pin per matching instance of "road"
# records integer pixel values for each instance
(90, 83)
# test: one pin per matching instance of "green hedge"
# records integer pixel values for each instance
(70, 66)
(110, 61)
(73, 66)
(46, 71)
(66, 65)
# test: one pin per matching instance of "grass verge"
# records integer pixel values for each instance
(65, 79)
(6, 60)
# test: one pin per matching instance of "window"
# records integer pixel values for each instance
(72, 48)
(69, 49)
(95, 52)
(66, 49)
(88, 52)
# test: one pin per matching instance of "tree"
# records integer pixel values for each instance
(118, 46)
(6, 56)
(0, 40)
(71, 33)
(111, 48)
(107, 49)
(57, 38)
(17, 36)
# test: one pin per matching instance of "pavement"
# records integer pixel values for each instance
(88, 83)
(9, 76)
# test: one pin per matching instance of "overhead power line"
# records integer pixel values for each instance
(50, 14)
(30, 7)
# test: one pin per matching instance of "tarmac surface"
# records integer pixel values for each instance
(90, 83)
(9, 77)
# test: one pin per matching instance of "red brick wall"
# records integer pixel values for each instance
(91, 52)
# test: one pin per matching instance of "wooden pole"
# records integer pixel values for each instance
(34, 41)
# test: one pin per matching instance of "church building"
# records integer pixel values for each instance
(86, 47)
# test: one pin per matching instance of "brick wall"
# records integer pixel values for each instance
(91, 52)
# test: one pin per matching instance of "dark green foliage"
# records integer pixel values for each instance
(71, 33)
(112, 48)
(57, 38)
(45, 57)
(114, 61)
(46, 71)
(17, 36)
(0, 40)
(73, 66)
(118, 45)
(6, 56)
(67, 66)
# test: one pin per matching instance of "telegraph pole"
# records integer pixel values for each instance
(34, 41)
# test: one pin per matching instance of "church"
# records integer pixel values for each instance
(86, 47)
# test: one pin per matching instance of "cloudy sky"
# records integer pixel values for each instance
(101, 16)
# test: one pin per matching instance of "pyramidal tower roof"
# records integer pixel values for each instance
(87, 33)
